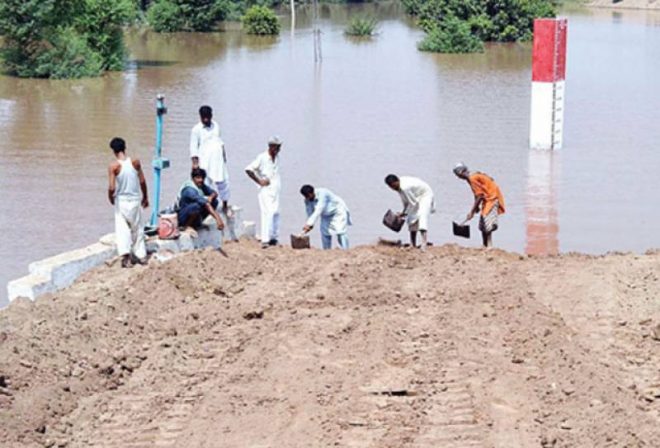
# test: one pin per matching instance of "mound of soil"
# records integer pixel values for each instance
(374, 347)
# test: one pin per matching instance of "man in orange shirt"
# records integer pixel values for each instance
(487, 198)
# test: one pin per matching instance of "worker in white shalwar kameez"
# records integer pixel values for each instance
(265, 171)
(213, 160)
(207, 151)
(202, 132)
(331, 209)
(127, 191)
(418, 204)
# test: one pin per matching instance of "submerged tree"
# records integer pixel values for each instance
(187, 15)
(451, 36)
(63, 38)
(261, 20)
(487, 20)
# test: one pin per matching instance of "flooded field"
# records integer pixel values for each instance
(372, 107)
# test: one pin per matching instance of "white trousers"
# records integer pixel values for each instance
(129, 233)
(269, 204)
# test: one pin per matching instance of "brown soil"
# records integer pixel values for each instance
(375, 347)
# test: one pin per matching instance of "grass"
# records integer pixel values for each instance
(361, 26)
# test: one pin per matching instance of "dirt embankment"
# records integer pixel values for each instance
(626, 4)
(375, 347)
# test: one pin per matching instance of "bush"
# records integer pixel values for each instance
(488, 20)
(69, 57)
(165, 17)
(361, 26)
(186, 15)
(261, 20)
(63, 39)
(102, 24)
(453, 36)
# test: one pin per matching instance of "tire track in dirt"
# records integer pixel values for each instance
(452, 419)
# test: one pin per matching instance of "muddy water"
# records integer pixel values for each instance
(372, 107)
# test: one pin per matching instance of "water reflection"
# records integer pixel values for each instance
(541, 215)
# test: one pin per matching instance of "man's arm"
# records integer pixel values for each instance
(475, 207)
(216, 216)
(251, 171)
(406, 205)
(260, 182)
(210, 194)
(112, 182)
(143, 182)
(316, 211)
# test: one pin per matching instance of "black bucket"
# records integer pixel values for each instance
(462, 230)
(393, 221)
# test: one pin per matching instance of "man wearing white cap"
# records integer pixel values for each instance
(265, 172)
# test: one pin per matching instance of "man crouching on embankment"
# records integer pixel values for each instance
(196, 201)
(127, 190)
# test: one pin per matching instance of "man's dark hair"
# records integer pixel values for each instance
(206, 112)
(198, 172)
(118, 145)
(306, 190)
(390, 179)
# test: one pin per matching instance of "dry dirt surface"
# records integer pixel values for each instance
(374, 347)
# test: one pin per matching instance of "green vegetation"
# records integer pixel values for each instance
(186, 15)
(361, 26)
(486, 20)
(451, 36)
(63, 39)
(261, 20)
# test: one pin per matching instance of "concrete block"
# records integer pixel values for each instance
(157, 245)
(249, 229)
(186, 242)
(30, 286)
(208, 235)
(232, 230)
(108, 240)
(64, 269)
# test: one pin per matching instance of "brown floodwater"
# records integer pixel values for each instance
(373, 106)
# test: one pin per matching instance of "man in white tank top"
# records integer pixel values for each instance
(127, 191)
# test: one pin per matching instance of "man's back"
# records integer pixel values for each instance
(127, 178)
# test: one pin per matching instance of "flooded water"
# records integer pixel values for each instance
(372, 107)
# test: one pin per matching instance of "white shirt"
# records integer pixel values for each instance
(412, 191)
(200, 135)
(264, 167)
(325, 205)
(128, 181)
(212, 160)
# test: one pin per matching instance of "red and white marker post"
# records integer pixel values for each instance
(548, 77)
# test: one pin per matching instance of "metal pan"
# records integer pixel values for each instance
(393, 221)
(462, 230)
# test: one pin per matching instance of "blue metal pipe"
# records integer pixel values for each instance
(159, 163)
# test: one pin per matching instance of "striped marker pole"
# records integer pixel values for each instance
(548, 77)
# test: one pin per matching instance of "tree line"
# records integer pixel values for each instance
(81, 38)
(462, 26)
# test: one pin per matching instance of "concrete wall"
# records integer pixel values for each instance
(60, 271)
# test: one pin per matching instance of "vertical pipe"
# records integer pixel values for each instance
(158, 165)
